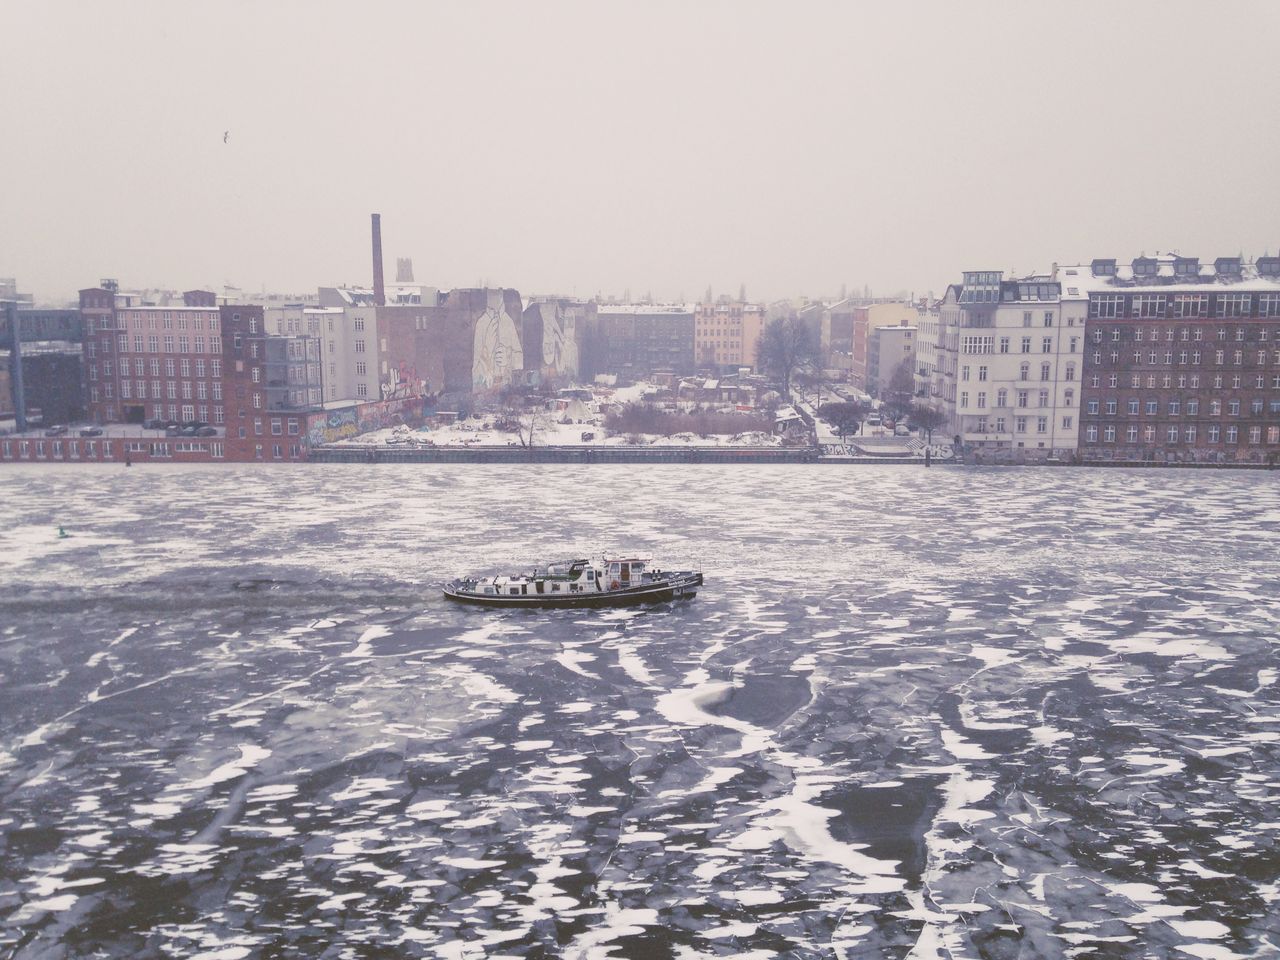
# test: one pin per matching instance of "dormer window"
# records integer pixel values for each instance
(1144, 267)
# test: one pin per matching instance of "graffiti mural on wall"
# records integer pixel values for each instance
(560, 344)
(403, 381)
(332, 426)
(498, 353)
(387, 413)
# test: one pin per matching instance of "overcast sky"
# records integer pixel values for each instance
(661, 147)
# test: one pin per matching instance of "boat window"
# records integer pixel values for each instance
(615, 568)
(591, 574)
(488, 590)
(514, 591)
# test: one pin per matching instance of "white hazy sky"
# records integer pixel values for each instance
(663, 147)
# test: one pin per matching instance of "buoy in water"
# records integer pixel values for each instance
(62, 534)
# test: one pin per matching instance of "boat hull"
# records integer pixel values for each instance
(682, 588)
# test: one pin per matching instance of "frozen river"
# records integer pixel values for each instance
(944, 713)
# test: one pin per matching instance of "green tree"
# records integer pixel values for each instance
(927, 420)
(846, 417)
(786, 347)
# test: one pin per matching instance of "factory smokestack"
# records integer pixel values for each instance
(379, 292)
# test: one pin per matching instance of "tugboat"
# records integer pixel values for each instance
(607, 582)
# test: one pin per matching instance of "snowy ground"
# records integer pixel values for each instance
(990, 713)
(546, 430)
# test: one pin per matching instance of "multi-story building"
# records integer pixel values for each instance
(269, 387)
(889, 348)
(637, 340)
(1007, 364)
(926, 357)
(726, 333)
(1181, 361)
(148, 362)
(866, 319)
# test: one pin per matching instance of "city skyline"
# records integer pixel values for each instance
(580, 149)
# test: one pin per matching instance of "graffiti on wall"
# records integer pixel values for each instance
(559, 344)
(403, 381)
(332, 426)
(498, 354)
(387, 413)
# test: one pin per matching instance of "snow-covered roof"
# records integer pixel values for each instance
(1078, 280)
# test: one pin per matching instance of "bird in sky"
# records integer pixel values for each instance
(225, 134)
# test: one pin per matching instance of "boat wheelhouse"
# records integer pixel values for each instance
(609, 581)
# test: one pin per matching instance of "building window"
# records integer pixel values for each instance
(1092, 407)
(982, 373)
(1066, 423)
(359, 346)
(362, 390)
(1148, 305)
(1046, 345)
(1002, 397)
(1020, 424)
(1109, 435)
(1111, 408)
(1133, 407)
(1091, 433)
(1233, 434)
(1044, 371)
(1233, 305)
(1026, 344)
(1042, 424)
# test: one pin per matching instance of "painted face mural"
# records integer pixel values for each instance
(559, 345)
(498, 353)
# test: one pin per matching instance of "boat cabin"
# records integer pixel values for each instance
(623, 572)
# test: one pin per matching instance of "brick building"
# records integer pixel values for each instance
(152, 362)
(634, 341)
(1181, 362)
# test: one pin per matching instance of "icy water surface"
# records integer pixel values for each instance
(964, 713)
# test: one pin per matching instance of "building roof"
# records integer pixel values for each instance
(1079, 280)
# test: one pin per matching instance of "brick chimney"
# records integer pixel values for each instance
(379, 292)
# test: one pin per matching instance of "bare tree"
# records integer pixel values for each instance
(786, 347)
(846, 417)
(901, 388)
(927, 419)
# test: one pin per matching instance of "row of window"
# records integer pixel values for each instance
(153, 344)
(1020, 424)
(1175, 434)
(1189, 381)
(1024, 372)
(166, 320)
(137, 390)
(1176, 406)
(977, 344)
(1192, 357)
(1022, 398)
(1138, 334)
(71, 449)
(1183, 305)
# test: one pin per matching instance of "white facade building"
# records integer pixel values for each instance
(1008, 364)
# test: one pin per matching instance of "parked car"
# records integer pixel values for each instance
(206, 431)
(155, 425)
(56, 430)
(90, 431)
(901, 430)
(172, 430)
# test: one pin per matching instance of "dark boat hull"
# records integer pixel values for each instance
(684, 588)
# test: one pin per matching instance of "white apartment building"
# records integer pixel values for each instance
(1008, 364)
(348, 346)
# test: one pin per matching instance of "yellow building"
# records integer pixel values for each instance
(726, 333)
